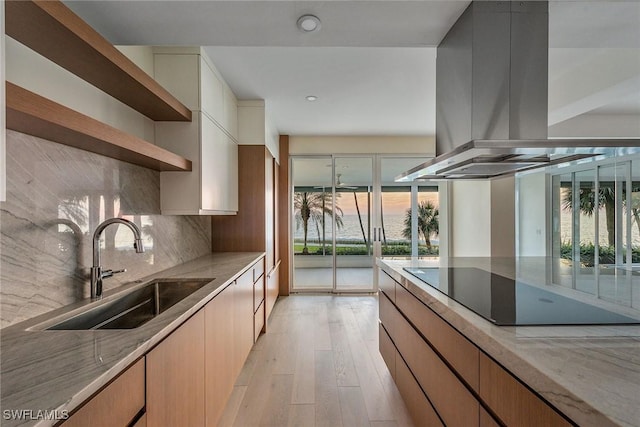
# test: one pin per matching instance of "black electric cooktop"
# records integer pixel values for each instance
(508, 302)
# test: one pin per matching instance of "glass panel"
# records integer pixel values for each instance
(635, 211)
(428, 221)
(562, 229)
(312, 223)
(395, 208)
(582, 198)
(613, 232)
(354, 249)
(596, 223)
(610, 190)
(396, 220)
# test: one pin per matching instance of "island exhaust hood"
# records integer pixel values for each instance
(492, 98)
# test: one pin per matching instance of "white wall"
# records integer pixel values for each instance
(362, 145)
(593, 92)
(142, 56)
(480, 218)
(470, 215)
(36, 73)
(598, 125)
(532, 214)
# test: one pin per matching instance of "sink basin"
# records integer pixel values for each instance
(135, 308)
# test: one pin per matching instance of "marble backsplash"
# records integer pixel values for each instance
(56, 196)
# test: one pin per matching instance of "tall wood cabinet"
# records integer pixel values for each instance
(254, 227)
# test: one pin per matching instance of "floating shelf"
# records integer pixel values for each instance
(54, 31)
(36, 115)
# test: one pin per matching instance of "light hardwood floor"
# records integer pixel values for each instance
(318, 365)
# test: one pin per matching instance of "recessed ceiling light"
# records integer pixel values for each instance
(311, 98)
(308, 23)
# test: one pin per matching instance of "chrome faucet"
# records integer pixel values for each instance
(97, 274)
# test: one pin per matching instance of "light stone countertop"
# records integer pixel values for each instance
(58, 370)
(590, 373)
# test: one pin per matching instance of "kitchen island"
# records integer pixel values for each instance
(57, 371)
(585, 375)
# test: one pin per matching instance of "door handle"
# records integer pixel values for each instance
(375, 239)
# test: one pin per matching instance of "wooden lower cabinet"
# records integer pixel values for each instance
(175, 377)
(272, 290)
(117, 404)
(243, 319)
(258, 322)
(142, 421)
(388, 351)
(220, 363)
(511, 401)
(462, 384)
(452, 400)
(387, 285)
(417, 403)
(459, 352)
(486, 420)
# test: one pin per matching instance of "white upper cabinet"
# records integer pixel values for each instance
(210, 140)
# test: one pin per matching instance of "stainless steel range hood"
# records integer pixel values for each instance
(492, 98)
(484, 159)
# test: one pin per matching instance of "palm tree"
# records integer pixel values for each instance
(428, 224)
(587, 205)
(364, 235)
(313, 206)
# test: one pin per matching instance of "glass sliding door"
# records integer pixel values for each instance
(312, 220)
(348, 210)
(399, 222)
(354, 246)
(596, 233)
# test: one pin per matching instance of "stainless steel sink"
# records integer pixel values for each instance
(135, 308)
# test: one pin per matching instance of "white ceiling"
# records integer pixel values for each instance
(372, 64)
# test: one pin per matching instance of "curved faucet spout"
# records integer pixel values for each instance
(96, 270)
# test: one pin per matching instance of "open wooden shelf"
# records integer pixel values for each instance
(54, 31)
(36, 115)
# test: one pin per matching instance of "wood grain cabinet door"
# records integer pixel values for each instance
(513, 402)
(117, 404)
(243, 319)
(175, 377)
(219, 358)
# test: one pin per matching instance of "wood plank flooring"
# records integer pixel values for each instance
(318, 365)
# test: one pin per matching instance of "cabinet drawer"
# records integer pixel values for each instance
(246, 279)
(258, 269)
(451, 399)
(142, 421)
(117, 404)
(453, 346)
(511, 401)
(418, 405)
(387, 285)
(258, 322)
(387, 313)
(486, 420)
(388, 351)
(258, 293)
